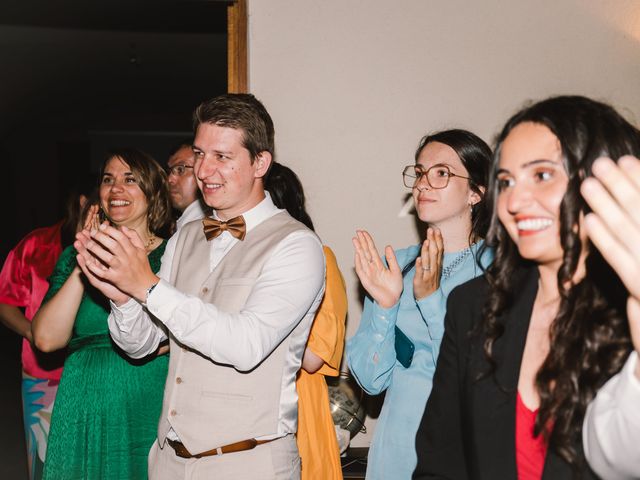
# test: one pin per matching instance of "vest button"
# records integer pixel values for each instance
(173, 413)
(178, 380)
(205, 290)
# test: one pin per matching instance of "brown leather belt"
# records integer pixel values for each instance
(181, 450)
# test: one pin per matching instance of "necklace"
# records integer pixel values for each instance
(150, 242)
(449, 269)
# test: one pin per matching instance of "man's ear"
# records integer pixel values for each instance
(475, 197)
(263, 162)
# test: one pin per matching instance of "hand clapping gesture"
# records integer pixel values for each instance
(614, 226)
(92, 219)
(384, 284)
(429, 265)
(112, 260)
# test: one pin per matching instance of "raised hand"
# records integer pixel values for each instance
(84, 258)
(429, 265)
(119, 258)
(383, 284)
(92, 218)
(614, 226)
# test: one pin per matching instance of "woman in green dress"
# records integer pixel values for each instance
(106, 413)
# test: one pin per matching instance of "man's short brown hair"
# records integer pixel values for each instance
(241, 111)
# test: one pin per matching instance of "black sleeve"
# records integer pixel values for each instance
(439, 443)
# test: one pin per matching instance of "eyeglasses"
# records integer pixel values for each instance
(178, 170)
(437, 176)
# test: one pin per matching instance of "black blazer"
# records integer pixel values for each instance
(468, 428)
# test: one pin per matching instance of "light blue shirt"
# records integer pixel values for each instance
(372, 360)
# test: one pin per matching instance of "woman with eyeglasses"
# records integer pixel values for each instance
(397, 343)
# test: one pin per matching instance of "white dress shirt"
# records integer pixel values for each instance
(292, 279)
(195, 211)
(611, 430)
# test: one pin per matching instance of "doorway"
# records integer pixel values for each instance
(79, 77)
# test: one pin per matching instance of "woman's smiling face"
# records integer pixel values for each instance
(120, 195)
(532, 181)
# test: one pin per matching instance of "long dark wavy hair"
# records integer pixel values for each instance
(589, 337)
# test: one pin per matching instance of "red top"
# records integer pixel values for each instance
(530, 450)
(23, 283)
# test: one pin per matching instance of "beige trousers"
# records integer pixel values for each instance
(276, 460)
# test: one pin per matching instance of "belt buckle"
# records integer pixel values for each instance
(179, 449)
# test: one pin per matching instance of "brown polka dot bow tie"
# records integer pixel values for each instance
(235, 226)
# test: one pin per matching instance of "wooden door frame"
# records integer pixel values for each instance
(237, 68)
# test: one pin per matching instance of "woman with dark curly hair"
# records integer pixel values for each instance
(107, 408)
(527, 346)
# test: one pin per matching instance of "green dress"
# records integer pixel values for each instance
(107, 408)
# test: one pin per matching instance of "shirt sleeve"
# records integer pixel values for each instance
(611, 429)
(432, 309)
(371, 352)
(15, 283)
(133, 330)
(289, 287)
(326, 338)
(130, 325)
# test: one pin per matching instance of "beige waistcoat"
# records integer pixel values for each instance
(209, 404)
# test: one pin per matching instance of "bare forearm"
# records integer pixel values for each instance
(311, 362)
(53, 324)
(13, 318)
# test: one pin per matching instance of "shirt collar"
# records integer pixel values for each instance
(258, 214)
(194, 211)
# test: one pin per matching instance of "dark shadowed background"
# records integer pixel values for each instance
(77, 79)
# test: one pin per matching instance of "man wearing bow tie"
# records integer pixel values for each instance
(235, 300)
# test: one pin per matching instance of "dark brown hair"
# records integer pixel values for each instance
(475, 155)
(287, 192)
(589, 337)
(241, 111)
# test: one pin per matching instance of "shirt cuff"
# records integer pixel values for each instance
(131, 309)
(383, 320)
(628, 392)
(163, 300)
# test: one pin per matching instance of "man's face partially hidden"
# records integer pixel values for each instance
(228, 180)
(183, 189)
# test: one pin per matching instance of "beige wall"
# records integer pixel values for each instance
(353, 85)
